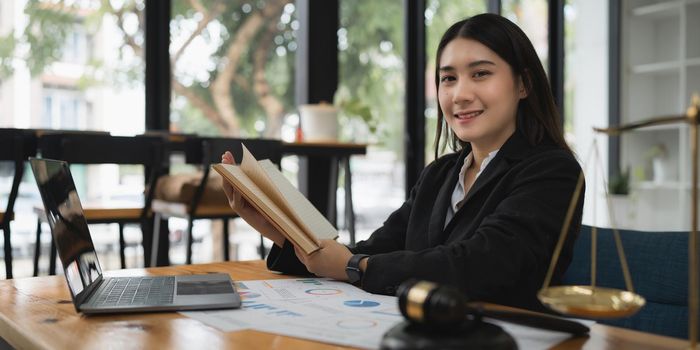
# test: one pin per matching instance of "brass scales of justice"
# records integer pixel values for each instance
(591, 301)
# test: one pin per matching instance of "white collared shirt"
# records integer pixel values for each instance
(459, 193)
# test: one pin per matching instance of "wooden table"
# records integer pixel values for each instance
(38, 313)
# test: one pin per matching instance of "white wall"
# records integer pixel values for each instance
(589, 74)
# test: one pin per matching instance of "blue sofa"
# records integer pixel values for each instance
(658, 263)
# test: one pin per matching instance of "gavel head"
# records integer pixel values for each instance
(428, 304)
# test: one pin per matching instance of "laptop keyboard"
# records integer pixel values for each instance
(126, 291)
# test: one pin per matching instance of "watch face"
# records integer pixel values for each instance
(354, 274)
(353, 268)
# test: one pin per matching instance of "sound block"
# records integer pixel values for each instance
(471, 335)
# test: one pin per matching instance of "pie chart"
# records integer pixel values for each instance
(361, 303)
(323, 291)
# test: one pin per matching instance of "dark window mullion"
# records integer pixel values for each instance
(415, 58)
(493, 6)
(157, 85)
(614, 26)
(556, 53)
(157, 58)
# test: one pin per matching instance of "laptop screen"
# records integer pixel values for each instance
(68, 226)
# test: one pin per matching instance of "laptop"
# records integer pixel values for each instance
(94, 294)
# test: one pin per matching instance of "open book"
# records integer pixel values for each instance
(266, 189)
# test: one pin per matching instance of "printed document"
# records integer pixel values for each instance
(333, 312)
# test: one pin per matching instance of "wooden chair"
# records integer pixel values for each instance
(198, 200)
(107, 149)
(15, 146)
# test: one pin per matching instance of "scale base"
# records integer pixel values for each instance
(471, 335)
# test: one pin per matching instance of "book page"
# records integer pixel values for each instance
(256, 197)
(270, 180)
(250, 167)
(316, 222)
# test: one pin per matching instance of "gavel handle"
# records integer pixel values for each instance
(532, 319)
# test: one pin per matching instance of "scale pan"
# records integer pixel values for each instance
(591, 302)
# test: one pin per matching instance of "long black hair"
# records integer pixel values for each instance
(537, 115)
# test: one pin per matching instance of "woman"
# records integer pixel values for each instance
(485, 218)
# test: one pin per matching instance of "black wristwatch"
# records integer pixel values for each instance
(353, 268)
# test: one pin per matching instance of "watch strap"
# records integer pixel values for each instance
(353, 268)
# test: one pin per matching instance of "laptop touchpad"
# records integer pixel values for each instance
(204, 287)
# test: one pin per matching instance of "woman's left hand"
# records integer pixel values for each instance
(329, 261)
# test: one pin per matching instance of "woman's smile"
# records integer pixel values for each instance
(468, 116)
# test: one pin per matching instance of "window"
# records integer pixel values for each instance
(75, 48)
(532, 17)
(54, 75)
(372, 78)
(63, 109)
(46, 52)
(233, 67)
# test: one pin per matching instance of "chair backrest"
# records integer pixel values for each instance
(658, 264)
(97, 148)
(208, 150)
(17, 144)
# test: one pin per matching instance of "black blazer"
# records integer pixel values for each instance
(499, 244)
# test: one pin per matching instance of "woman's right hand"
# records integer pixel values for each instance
(246, 211)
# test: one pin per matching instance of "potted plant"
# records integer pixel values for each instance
(621, 202)
(620, 183)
